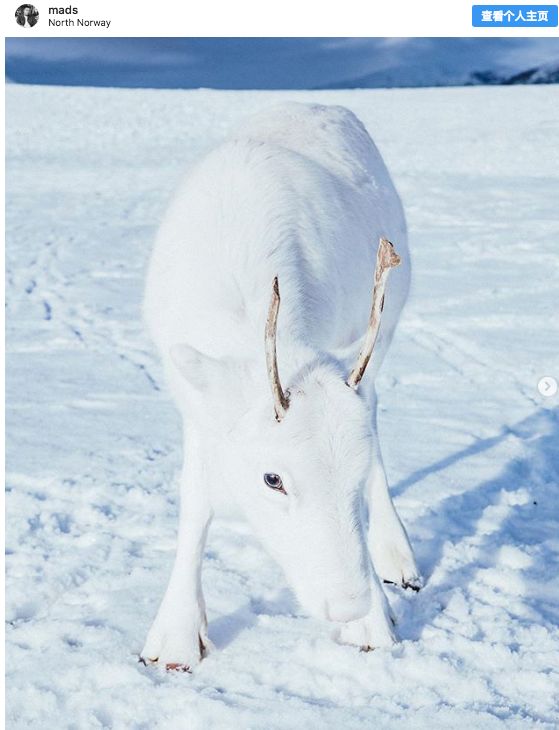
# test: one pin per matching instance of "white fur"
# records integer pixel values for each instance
(299, 192)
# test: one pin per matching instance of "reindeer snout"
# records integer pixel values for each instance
(348, 608)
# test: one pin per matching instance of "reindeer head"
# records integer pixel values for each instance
(297, 471)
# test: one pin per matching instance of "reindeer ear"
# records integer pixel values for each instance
(199, 370)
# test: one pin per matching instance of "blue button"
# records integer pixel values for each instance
(514, 16)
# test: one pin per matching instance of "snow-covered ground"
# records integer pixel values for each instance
(471, 448)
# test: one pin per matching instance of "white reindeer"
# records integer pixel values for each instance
(300, 195)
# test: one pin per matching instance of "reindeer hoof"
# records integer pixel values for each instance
(415, 584)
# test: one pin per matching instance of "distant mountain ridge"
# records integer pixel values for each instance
(547, 73)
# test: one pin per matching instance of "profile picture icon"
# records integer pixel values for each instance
(27, 16)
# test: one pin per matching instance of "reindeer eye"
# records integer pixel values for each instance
(274, 482)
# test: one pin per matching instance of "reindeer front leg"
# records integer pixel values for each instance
(178, 636)
(388, 542)
(389, 546)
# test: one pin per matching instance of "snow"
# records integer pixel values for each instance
(93, 447)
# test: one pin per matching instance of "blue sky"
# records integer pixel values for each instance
(268, 63)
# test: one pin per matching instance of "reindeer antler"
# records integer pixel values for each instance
(281, 402)
(387, 258)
